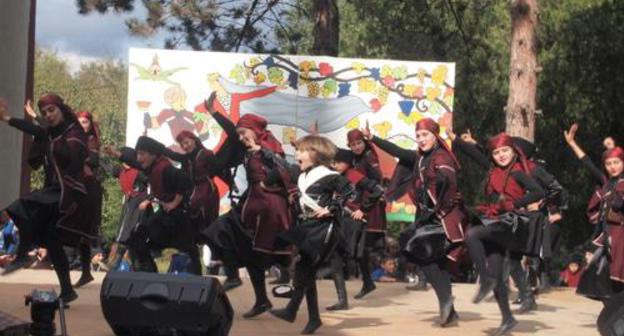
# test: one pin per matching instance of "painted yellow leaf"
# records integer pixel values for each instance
(386, 71)
(421, 75)
(353, 123)
(439, 74)
(366, 85)
(382, 129)
(313, 89)
(358, 67)
(433, 93)
(289, 134)
(382, 93)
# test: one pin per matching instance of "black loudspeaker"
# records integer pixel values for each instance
(611, 319)
(137, 303)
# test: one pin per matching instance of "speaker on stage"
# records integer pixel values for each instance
(137, 303)
(611, 319)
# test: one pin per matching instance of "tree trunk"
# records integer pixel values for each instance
(520, 117)
(326, 28)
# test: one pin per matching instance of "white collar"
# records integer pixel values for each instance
(308, 178)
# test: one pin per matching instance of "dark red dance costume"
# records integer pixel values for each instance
(53, 215)
(368, 163)
(434, 191)
(162, 229)
(509, 189)
(606, 209)
(202, 166)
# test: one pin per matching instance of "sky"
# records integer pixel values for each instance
(83, 38)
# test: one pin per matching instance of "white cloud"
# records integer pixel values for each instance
(60, 27)
(75, 60)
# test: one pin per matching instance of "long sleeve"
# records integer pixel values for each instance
(175, 156)
(28, 127)
(534, 191)
(473, 152)
(598, 176)
(128, 157)
(374, 192)
(175, 181)
(232, 151)
(343, 191)
(402, 154)
(222, 160)
(556, 195)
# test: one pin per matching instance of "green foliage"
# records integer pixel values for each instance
(581, 51)
(100, 88)
(218, 25)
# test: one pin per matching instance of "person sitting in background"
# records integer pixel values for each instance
(386, 273)
(9, 237)
(572, 274)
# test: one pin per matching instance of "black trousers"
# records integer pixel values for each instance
(164, 230)
(36, 222)
(488, 256)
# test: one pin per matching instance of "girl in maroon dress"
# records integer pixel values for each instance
(203, 166)
(606, 207)
(94, 193)
(435, 193)
(265, 212)
(510, 191)
(366, 161)
(53, 215)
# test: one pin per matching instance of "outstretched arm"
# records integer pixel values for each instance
(570, 138)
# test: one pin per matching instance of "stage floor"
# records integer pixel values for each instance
(390, 310)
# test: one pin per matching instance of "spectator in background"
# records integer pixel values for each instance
(386, 273)
(8, 245)
(572, 274)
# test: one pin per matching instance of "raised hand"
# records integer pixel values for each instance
(209, 103)
(467, 137)
(570, 134)
(450, 134)
(608, 143)
(28, 107)
(366, 132)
